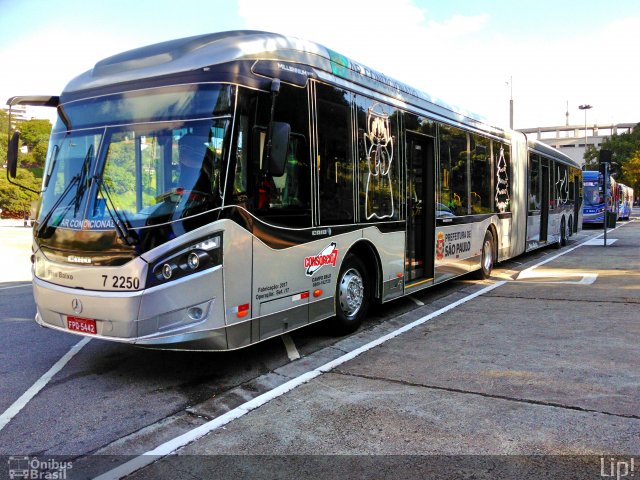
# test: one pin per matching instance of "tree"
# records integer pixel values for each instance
(631, 173)
(35, 135)
(34, 131)
(623, 147)
(16, 201)
(4, 124)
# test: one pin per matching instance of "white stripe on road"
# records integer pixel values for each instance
(416, 301)
(292, 351)
(15, 286)
(26, 397)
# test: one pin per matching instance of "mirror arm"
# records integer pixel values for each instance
(275, 89)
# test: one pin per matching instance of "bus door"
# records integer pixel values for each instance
(577, 202)
(544, 200)
(419, 258)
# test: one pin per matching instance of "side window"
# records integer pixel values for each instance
(335, 164)
(453, 176)
(534, 182)
(378, 164)
(553, 177)
(285, 199)
(480, 197)
(502, 177)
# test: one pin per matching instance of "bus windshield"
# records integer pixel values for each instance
(124, 162)
(593, 194)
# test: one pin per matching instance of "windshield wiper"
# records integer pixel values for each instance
(44, 224)
(121, 228)
(82, 180)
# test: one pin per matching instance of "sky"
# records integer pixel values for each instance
(476, 54)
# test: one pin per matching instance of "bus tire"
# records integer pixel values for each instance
(570, 229)
(563, 232)
(353, 295)
(487, 259)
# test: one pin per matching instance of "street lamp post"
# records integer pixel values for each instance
(585, 107)
(511, 103)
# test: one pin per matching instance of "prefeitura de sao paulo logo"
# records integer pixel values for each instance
(440, 246)
(328, 256)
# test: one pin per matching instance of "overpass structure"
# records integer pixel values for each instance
(572, 139)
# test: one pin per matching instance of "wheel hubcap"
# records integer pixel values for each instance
(487, 256)
(351, 292)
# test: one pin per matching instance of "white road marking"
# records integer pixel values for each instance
(292, 351)
(415, 300)
(26, 397)
(16, 286)
(530, 276)
(599, 242)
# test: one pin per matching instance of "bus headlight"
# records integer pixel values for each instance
(167, 270)
(185, 260)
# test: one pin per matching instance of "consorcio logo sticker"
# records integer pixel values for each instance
(328, 256)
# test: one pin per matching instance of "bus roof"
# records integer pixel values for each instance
(544, 149)
(198, 53)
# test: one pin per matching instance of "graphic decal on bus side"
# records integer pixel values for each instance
(502, 185)
(453, 244)
(440, 246)
(562, 188)
(328, 256)
(379, 147)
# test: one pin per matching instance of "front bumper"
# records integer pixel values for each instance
(159, 317)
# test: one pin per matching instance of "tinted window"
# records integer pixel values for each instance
(335, 164)
(481, 198)
(277, 199)
(534, 182)
(453, 175)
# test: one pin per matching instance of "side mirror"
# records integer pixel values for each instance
(279, 145)
(12, 155)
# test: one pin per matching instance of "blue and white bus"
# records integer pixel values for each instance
(593, 210)
(211, 192)
(625, 197)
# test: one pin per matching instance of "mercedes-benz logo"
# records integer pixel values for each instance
(76, 304)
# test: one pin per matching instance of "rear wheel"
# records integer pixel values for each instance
(352, 295)
(488, 257)
(563, 233)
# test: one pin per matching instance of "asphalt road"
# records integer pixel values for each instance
(114, 399)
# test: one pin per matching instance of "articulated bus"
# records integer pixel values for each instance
(625, 196)
(593, 210)
(212, 192)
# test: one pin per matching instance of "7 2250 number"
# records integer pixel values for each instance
(120, 282)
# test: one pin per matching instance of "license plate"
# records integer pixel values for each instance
(82, 325)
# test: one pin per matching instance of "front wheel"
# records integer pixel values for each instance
(352, 296)
(488, 257)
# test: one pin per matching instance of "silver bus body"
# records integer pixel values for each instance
(267, 279)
